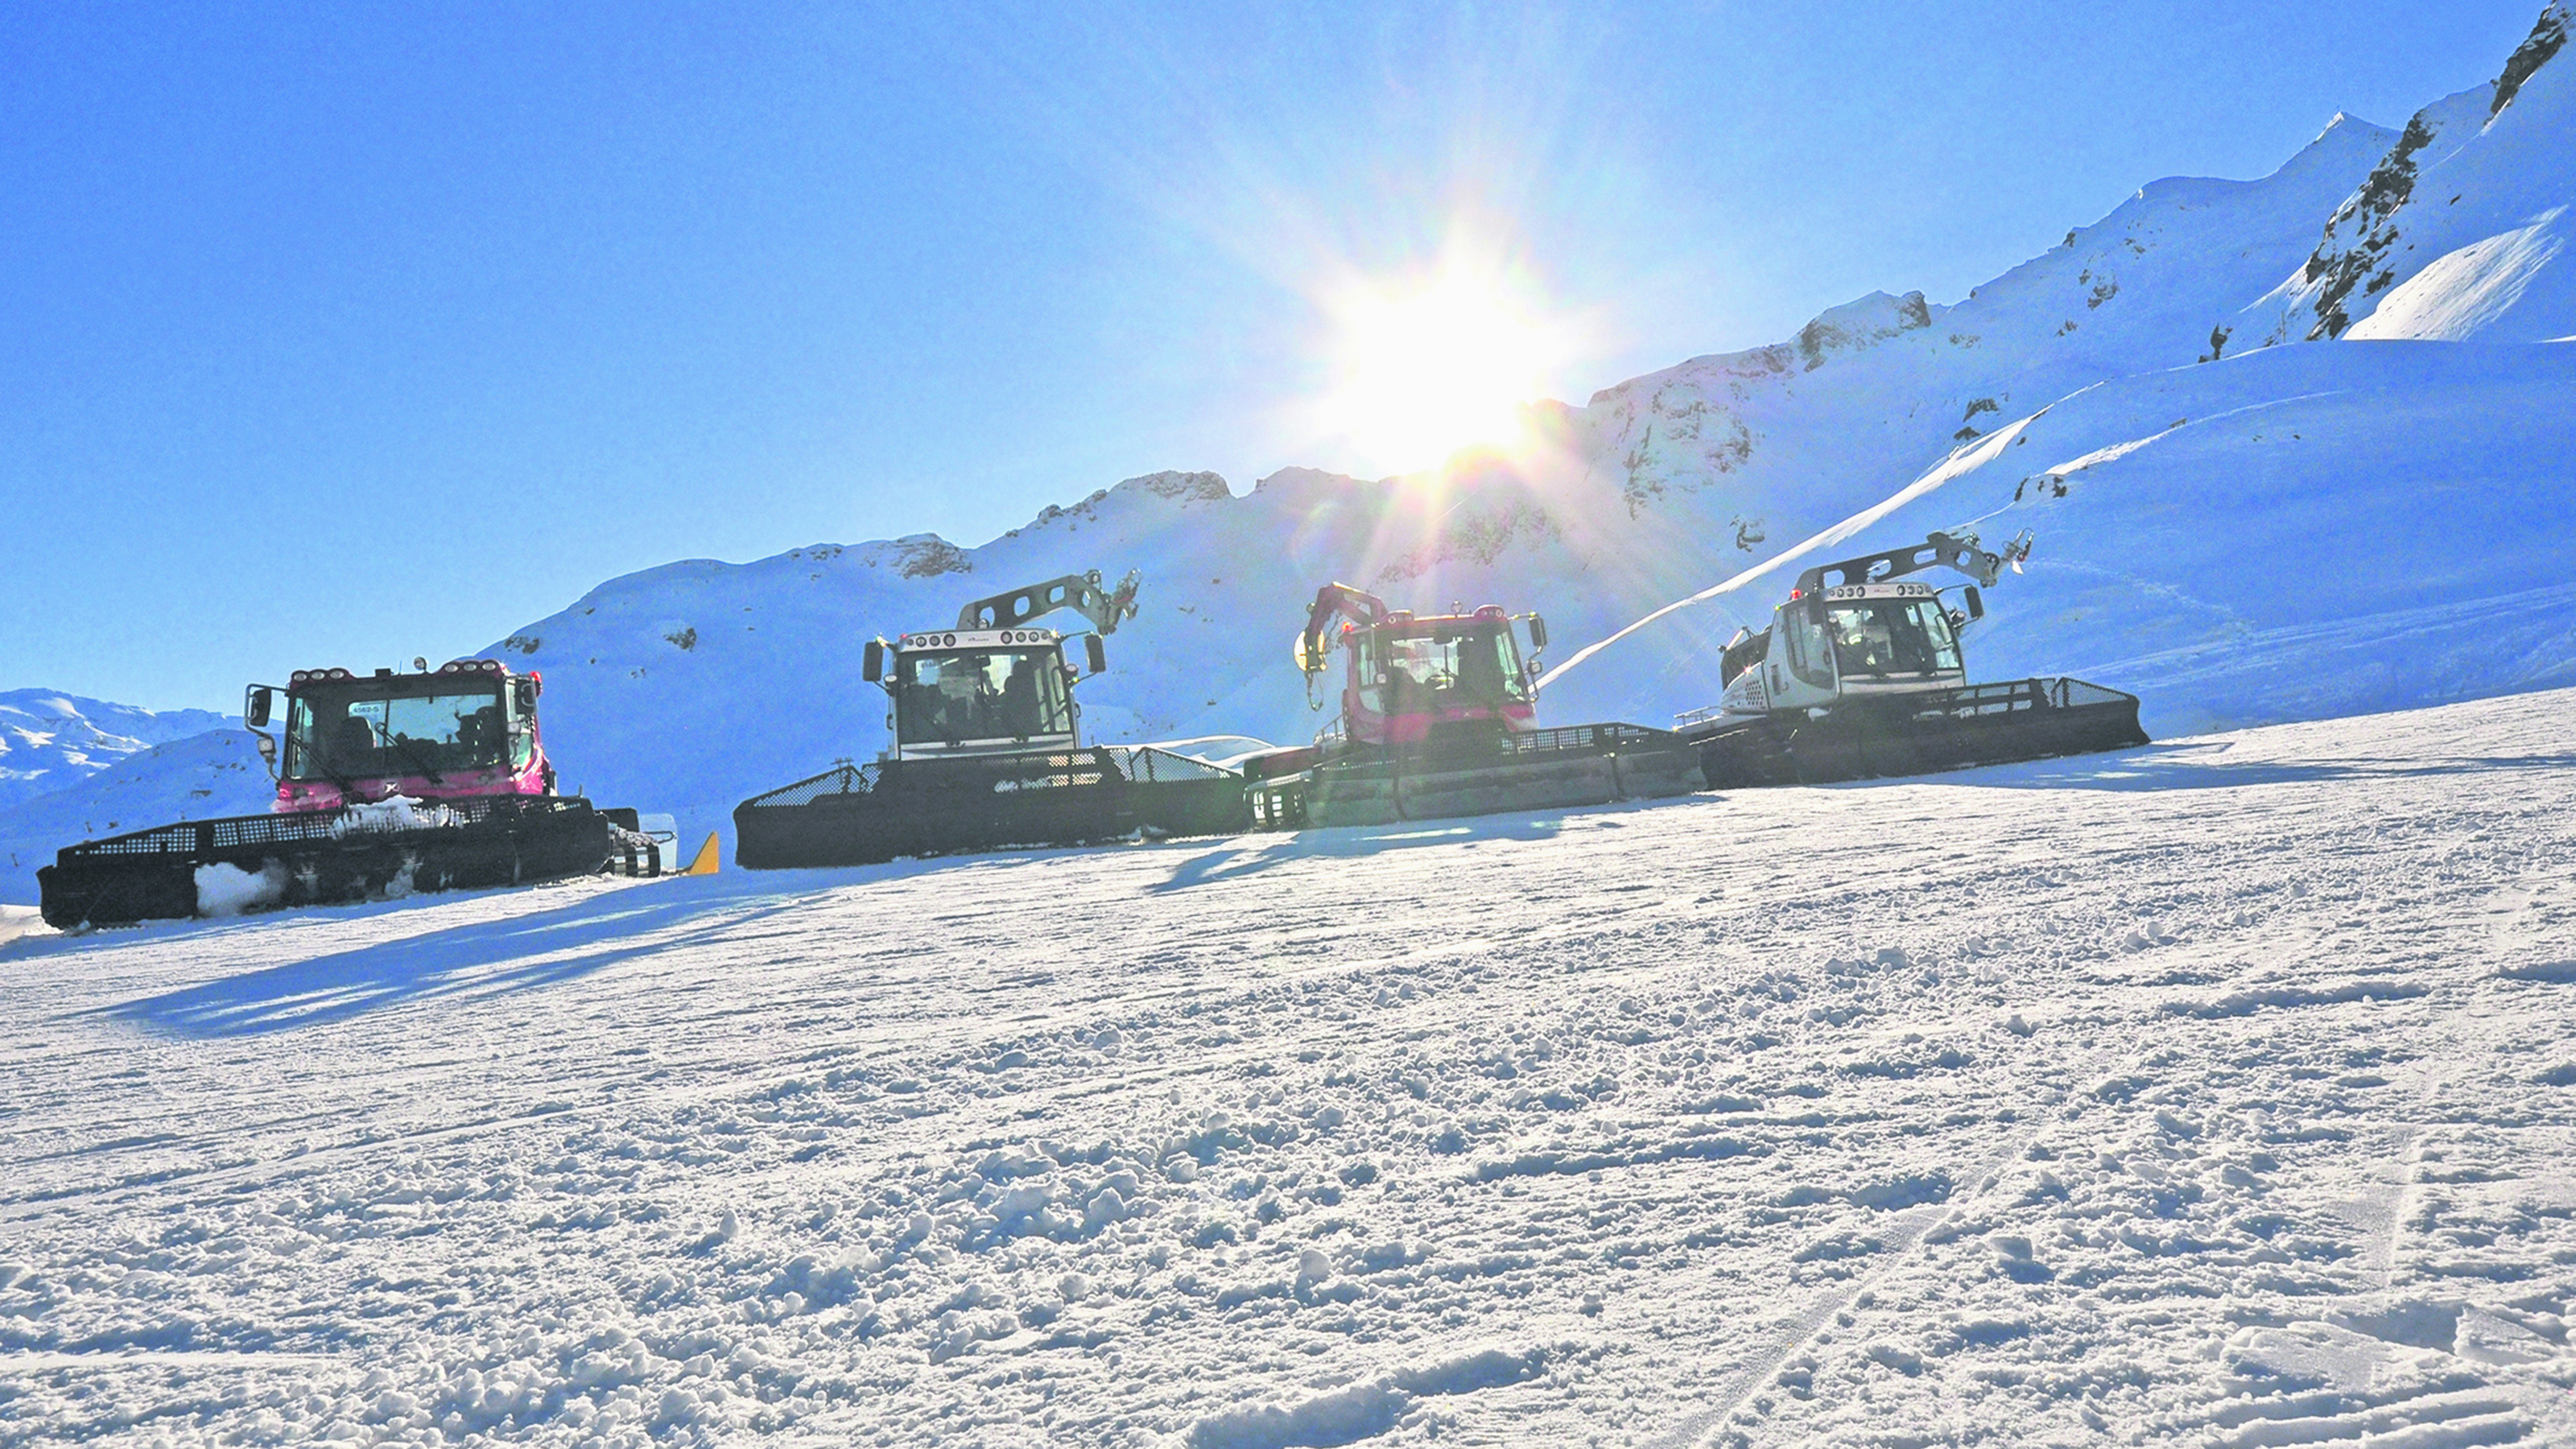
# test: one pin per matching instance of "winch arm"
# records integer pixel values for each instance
(1334, 601)
(1081, 593)
(1959, 552)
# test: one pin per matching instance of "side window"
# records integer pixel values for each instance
(299, 739)
(1810, 651)
(1371, 668)
(521, 721)
(1055, 709)
(1505, 680)
(1936, 627)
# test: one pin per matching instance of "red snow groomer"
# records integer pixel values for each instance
(1439, 718)
(391, 783)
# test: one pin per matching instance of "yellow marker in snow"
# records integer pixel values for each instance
(705, 864)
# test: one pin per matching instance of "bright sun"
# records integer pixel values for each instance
(1423, 372)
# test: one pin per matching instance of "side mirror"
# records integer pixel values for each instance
(1538, 632)
(872, 663)
(1976, 603)
(268, 753)
(1095, 653)
(257, 703)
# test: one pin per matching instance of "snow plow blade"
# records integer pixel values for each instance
(1955, 729)
(259, 862)
(1483, 773)
(868, 814)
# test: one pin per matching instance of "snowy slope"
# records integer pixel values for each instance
(2297, 533)
(1840, 415)
(2221, 1092)
(2459, 230)
(73, 769)
(50, 740)
(200, 777)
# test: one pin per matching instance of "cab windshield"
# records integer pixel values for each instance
(1891, 638)
(1444, 669)
(981, 695)
(337, 734)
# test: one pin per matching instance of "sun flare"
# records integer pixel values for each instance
(1424, 370)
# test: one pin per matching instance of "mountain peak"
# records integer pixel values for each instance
(1177, 486)
(2457, 230)
(2344, 135)
(1860, 323)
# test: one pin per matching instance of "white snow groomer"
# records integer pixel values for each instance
(392, 783)
(1860, 676)
(986, 750)
(1439, 718)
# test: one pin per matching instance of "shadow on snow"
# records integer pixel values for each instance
(1233, 859)
(524, 953)
(484, 959)
(2202, 766)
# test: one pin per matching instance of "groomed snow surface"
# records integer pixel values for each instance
(2217, 1092)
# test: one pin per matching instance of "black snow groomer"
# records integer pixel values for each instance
(1861, 677)
(987, 751)
(1469, 771)
(392, 784)
(1439, 718)
(260, 862)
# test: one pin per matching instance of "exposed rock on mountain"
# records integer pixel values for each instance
(2459, 229)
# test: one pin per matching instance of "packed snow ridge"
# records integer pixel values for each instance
(2219, 1092)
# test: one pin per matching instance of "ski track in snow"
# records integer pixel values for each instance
(2219, 1092)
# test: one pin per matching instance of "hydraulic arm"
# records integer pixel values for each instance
(1334, 601)
(1081, 593)
(1940, 550)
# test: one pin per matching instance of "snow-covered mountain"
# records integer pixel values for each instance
(73, 769)
(2291, 447)
(50, 741)
(2300, 533)
(201, 777)
(2458, 231)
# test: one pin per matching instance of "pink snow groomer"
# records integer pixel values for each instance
(464, 730)
(389, 784)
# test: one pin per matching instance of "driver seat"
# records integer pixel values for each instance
(353, 742)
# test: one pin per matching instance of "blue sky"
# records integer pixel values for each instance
(339, 334)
